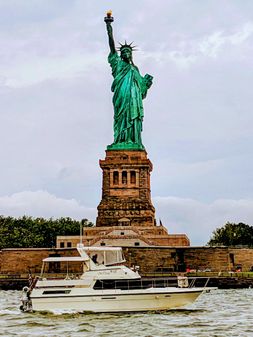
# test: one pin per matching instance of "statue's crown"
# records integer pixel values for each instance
(126, 45)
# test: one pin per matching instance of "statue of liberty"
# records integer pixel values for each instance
(129, 89)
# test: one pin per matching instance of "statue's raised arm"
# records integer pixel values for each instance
(108, 20)
(129, 89)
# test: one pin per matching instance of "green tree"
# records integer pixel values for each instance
(232, 234)
(28, 232)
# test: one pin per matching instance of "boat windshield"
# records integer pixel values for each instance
(63, 267)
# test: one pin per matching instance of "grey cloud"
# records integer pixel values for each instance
(43, 204)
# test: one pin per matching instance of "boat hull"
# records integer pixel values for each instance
(124, 301)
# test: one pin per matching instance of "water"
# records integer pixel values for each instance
(221, 313)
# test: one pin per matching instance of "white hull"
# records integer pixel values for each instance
(119, 301)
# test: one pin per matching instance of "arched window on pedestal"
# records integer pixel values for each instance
(124, 177)
(133, 177)
(115, 178)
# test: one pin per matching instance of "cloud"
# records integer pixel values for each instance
(192, 50)
(36, 70)
(212, 45)
(43, 204)
(199, 219)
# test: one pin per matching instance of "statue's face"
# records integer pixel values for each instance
(126, 54)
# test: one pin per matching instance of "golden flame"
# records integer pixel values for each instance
(109, 13)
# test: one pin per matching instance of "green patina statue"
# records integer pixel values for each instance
(129, 89)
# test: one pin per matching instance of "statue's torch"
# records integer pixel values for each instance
(109, 17)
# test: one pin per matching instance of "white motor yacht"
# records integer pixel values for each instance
(104, 285)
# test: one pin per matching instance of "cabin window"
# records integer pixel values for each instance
(115, 178)
(69, 244)
(133, 177)
(137, 243)
(62, 245)
(122, 233)
(102, 244)
(124, 177)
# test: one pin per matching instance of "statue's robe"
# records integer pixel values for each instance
(129, 89)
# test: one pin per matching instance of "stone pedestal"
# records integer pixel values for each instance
(126, 199)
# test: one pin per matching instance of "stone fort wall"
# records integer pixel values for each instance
(150, 259)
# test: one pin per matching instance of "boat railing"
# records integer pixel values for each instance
(136, 283)
(145, 283)
(192, 283)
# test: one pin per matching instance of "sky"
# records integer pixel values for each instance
(56, 114)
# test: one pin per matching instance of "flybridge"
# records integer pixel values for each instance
(106, 256)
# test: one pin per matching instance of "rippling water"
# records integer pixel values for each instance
(219, 313)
